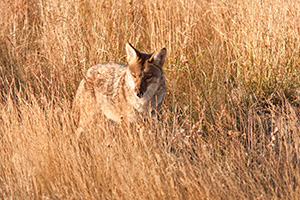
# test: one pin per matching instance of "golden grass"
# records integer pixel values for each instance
(229, 127)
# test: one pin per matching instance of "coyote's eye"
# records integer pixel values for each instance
(148, 77)
(133, 75)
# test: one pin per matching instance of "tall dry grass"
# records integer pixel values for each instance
(229, 127)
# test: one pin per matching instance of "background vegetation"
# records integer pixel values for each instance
(229, 127)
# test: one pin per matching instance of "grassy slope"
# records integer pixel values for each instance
(229, 126)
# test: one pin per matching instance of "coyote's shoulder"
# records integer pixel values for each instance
(123, 92)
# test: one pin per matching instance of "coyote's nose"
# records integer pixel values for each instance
(139, 94)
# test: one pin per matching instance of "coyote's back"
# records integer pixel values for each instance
(122, 92)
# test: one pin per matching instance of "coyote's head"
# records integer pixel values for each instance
(144, 71)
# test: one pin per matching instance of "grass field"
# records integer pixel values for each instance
(229, 127)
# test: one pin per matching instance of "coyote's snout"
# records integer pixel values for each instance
(122, 92)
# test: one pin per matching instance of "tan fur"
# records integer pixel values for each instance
(122, 92)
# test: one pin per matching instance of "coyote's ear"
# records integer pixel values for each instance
(132, 53)
(158, 58)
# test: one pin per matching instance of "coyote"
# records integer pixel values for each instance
(122, 92)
